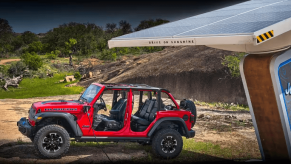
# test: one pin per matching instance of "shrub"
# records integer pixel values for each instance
(77, 75)
(35, 46)
(51, 55)
(2, 82)
(4, 70)
(232, 62)
(32, 60)
(107, 55)
(17, 69)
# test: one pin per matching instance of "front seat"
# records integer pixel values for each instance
(114, 112)
(115, 121)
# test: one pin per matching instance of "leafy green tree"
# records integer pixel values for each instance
(29, 37)
(6, 36)
(17, 42)
(71, 48)
(88, 33)
(111, 27)
(35, 46)
(150, 23)
(32, 60)
(232, 62)
(125, 27)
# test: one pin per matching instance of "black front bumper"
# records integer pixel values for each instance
(24, 127)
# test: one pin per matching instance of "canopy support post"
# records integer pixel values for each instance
(261, 79)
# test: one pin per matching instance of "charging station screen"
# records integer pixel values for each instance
(285, 81)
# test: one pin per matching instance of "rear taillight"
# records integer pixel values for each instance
(192, 118)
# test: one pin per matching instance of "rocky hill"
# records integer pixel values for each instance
(188, 72)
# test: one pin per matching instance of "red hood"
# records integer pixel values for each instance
(59, 106)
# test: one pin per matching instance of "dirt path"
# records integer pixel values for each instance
(3, 61)
(217, 126)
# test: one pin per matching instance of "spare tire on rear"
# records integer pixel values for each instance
(189, 106)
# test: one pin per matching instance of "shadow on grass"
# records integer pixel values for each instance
(117, 153)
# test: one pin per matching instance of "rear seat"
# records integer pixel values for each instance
(146, 115)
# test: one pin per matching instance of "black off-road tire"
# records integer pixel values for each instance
(159, 140)
(190, 106)
(50, 130)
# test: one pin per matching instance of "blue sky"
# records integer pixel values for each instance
(39, 16)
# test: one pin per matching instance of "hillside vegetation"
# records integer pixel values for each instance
(72, 42)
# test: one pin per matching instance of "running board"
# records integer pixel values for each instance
(111, 139)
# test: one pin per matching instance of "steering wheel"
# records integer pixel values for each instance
(102, 101)
(169, 107)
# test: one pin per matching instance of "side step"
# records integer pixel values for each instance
(111, 139)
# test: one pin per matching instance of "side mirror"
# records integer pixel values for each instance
(86, 109)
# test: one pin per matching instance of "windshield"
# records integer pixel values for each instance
(90, 93)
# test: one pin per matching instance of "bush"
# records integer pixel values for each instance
(17, 69)
(232, 62)
(51, 55)
(32, 60)
(35, 46)
(107, 55)
(77, 75)
(2, 82)
(4, 70)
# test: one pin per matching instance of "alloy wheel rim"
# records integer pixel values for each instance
(169, 144)
(52, 142)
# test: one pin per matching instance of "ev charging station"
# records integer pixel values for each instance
(262, 29)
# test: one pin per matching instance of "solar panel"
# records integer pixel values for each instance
(251, 18)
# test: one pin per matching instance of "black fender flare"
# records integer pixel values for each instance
(67, 116)
(187, 133)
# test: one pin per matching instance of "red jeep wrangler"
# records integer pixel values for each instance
(51, 124)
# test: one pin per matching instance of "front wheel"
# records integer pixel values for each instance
(52, 141)
(167, 143)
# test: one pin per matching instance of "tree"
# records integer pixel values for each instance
(71, 48)
(5, 28)
(150, 23)
(56, 38)
(17, 42)
(29, 37)
(6, 36)
(125, 27)
(111, 27)
(35, 46)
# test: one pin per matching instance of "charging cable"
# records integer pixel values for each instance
(96, 138)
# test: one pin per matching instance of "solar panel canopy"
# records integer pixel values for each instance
(247, 26)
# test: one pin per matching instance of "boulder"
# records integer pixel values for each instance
(70, 78)
(201, 116)
(89, 75)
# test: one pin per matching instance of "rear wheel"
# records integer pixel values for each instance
(167, 143)
(51, 141)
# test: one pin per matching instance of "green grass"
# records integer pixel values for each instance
(99, 144)
(36, 87)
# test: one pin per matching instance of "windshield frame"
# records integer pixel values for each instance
(96, 96)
